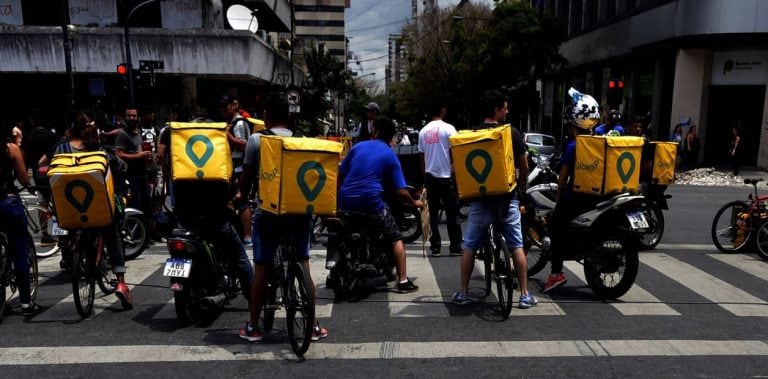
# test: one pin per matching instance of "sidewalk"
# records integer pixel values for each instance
(719, 176)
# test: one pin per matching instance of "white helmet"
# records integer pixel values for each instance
(584, 111)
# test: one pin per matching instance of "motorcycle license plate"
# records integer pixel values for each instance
(55, 229)
(637, 220)
(177, 267)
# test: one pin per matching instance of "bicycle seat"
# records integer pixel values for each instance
(752, 181)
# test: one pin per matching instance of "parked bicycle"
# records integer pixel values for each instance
(39, 220)
(295, 296)
(736, 223)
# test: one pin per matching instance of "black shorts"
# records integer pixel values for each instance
(384, 222)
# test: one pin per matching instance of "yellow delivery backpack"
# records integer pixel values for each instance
(298, 175)
(258, 125)
(664, 161)
(607, 164)
(82, 190)
(200, 151)
(484, 162)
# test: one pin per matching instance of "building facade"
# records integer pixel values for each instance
(320, 24)
(688, 62)
(200, 55)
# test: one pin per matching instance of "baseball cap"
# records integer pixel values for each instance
(372, 106)
(226, 99)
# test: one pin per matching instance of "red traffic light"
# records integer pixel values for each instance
(611, 84)
(621, 84)
(615, 83)
(122, 69)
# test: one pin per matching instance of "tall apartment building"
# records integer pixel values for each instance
(320, 23)
(689, 62)
(202, 56)
(395, 71)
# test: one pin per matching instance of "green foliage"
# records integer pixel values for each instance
(455, 56)
(325, 75)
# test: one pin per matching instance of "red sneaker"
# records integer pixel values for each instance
(250, 334)
(554, 281)
(124, 294)
(319, 333)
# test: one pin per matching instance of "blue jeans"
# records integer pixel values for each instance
(482, 214)
(14, 224)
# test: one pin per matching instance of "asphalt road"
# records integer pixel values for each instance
(692, 312)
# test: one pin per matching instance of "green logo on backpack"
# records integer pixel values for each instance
(479, 176)
(81, 206)
(625, 175)
(199, 161)
(310, 193)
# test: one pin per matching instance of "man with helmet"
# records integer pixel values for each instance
(612, 125)
(580, 118)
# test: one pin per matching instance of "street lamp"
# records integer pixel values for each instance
(128, 45)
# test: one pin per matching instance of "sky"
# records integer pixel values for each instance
(368, 26)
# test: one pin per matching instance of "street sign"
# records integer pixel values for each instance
(293, 108)
(293, 98)
(150, 65)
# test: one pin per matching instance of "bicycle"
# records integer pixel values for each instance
(735, 222)
(296, 297)
(8, 273)
(496, 258)
(41, 223)
(90, 265)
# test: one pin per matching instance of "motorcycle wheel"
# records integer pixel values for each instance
(136, 238)
(270, 306)
(761, 240)
(652, 237)
(344, 280)
(187, 310)
(410, 224)
(612, 270)
(105, 277)
(83, 281)
(724, 229)
(300, 310)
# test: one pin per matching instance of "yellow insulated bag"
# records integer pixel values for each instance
(200, 151)
(82, 190)
(664, 161)
(298, 175)
(607, 164)
(484, 162)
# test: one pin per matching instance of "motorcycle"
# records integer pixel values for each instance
(407, 217)
(657, 201)
(201, 281)
(354, 254)
(544, 169)
(536, 208)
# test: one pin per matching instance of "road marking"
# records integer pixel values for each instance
(725, 295)
(684, 246)
(747, 263)
(137, 271)
(636, 302)
(56, 355)
(428, 301)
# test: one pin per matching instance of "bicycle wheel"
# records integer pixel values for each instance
(761, 240)
(300, 309)
(727, 236)
(37, 223)
(106, 279)
(503, 276)
(83, 283)
(33, 274)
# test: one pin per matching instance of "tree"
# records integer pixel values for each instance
(326, 77)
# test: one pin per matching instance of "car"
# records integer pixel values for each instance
(542, 143)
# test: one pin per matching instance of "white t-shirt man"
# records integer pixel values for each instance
(433, 142)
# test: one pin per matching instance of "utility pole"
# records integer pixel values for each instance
(126, 36)
(67, 42)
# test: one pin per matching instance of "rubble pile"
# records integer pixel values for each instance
(708, 177)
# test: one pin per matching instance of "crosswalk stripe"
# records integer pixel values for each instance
(428, 301)
(747, 263)
(636, 302)
(324, 296)
(725, 295)
(56, 355)
(137, 271)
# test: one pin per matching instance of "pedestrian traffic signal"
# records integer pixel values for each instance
(122, 69)
(615, 93)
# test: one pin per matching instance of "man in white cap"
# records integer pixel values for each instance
(365, 129)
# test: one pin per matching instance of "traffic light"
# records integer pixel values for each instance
(122, 69)
(615, 94)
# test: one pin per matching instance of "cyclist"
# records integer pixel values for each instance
(369, 172)
(13, 217)
(266, 226)
(482, 212)
(84, 137)
(580, 121)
